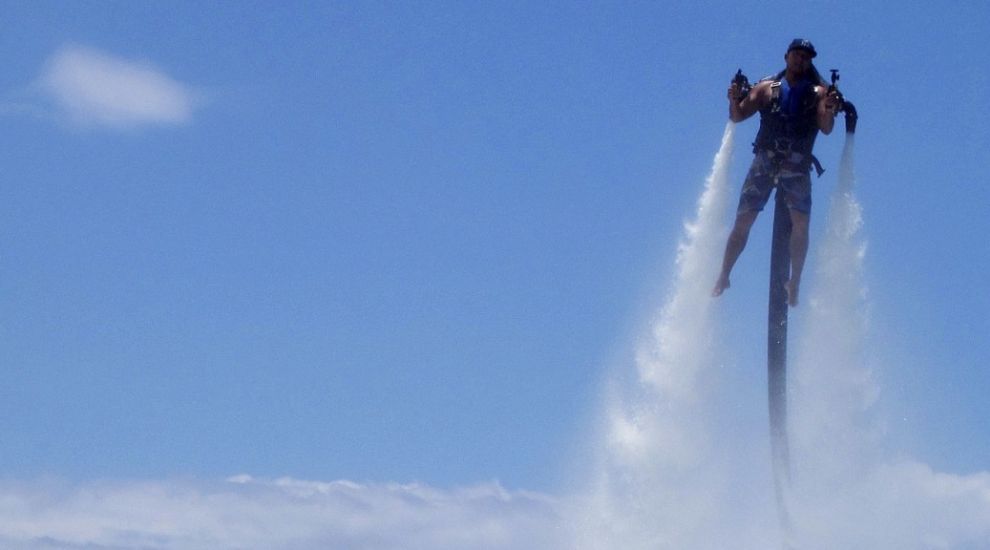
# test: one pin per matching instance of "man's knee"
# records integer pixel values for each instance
(738, 238)
(799, 220)
(740, 228)
(740, 231)
(745, 220)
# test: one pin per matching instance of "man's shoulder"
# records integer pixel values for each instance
(762, 88)
(764, 84)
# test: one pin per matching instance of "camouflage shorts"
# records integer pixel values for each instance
(795, 186)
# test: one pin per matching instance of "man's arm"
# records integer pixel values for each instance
(757, 97)
(828, 106)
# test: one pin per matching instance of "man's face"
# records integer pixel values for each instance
(798, 60)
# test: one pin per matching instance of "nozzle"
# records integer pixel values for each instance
(851, 117)
(743, 82)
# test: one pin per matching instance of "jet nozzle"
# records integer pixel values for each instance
(851, 116)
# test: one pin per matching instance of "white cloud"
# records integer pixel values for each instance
(95, 88)
(285, 513)
(903, 506)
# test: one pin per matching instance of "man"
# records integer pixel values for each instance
(793, 105)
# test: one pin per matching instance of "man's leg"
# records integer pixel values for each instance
(799, 250)
(734, 247)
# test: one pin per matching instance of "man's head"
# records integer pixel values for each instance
(799, 55)
(804, 45)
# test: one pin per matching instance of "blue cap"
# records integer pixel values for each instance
(802, 44)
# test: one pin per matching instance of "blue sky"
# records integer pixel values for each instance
(398, 242)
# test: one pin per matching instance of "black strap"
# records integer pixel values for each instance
(818, 165)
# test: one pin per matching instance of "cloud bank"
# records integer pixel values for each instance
(93, 88)
(245, 512)
(903, 506)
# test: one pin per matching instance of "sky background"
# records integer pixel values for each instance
(407, 242)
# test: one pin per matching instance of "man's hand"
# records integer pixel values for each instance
(833, 102)
(735, 93)
(829, 104)
(743, 104)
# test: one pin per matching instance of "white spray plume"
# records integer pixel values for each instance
(662, 481)
(847, 493)
(671, 477)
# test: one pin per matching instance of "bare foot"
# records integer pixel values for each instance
(792, 288)
(720, 285)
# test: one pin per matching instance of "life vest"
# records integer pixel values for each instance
(789, 122)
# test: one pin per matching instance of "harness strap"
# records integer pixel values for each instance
(780, 160)
(782, 146)
(818, 165)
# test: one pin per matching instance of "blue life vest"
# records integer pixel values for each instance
(789, 122)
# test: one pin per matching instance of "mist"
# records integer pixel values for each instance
(673, 472)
